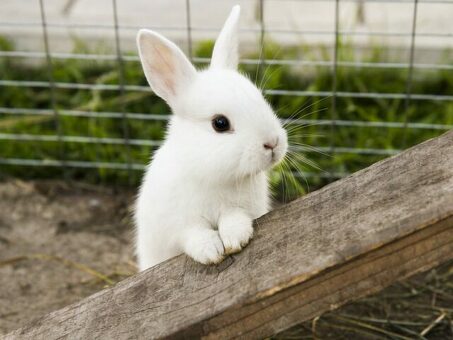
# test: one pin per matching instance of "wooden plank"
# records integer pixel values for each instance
(360, 277)
(349, 239)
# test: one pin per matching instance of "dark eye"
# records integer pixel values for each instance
(221, 123)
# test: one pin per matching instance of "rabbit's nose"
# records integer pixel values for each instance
(271, 145)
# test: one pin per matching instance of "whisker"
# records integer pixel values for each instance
(305, 160)
(281, 108)
(316, 102)
(284, 179)
(269, 77)
(268, 65)
(305, 135)
(258, 66)
(299, 169)
(307, 107)
(311, 148)
(303, 125)
(291, 120)
(288, 178)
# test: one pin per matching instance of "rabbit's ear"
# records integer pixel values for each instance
(225, 53)
(166, 68)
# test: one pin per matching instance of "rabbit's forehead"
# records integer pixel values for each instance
(230, 93)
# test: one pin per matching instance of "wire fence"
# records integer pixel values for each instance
(332, 120)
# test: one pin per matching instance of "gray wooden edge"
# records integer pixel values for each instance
(351, 238)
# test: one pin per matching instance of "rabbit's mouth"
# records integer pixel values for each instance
(278, 154)
(275, 157)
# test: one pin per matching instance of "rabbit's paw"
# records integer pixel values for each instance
(235, 236)
(204, 246)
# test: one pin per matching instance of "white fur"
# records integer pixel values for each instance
(203, 189)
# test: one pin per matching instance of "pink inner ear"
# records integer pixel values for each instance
(162, 68)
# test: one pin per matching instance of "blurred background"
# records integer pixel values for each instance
(355, 81)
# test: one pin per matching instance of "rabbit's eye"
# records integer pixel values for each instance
(221, 123)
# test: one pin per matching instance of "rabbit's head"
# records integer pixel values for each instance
(222, 126)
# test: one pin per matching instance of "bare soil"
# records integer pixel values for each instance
(59, 242)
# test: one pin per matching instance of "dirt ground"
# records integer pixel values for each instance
(60, 242)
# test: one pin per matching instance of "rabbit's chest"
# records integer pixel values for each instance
(253, 199)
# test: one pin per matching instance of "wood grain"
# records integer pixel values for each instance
(349, 239)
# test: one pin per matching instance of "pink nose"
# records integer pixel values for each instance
(271, 145)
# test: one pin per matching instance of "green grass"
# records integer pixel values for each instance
(275, 77)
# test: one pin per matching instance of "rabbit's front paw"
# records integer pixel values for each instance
(235, 236)
(204, 246)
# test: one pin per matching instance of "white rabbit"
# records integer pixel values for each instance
(208, 181)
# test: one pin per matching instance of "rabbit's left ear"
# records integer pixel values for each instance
(225, 53)
(166, 68)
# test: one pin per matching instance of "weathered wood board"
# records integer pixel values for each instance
(349, 239)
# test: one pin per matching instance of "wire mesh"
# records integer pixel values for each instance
(122, 84)
(125, 152)
(53, 100)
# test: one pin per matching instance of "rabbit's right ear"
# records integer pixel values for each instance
(225, 54)
(166, 68)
